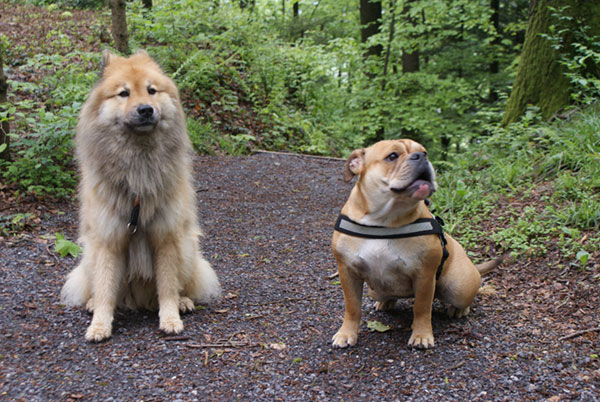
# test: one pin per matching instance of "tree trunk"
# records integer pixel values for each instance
(388, 50)
(410, 58)
(297, 29)
(119, 26)
(370, 24)
(282, 10)
(540, 78)
(494, 65)
(4, 127)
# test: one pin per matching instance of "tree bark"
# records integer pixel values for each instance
(410, 58)
(494, 65)
(370, 24)
(4, 127)
(540, 77)
(388, 50)
(119, 25)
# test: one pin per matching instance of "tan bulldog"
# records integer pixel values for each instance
(387, 237)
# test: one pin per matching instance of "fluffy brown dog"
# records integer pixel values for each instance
(375, 242)
(138, 221)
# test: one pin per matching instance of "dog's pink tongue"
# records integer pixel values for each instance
(423, 191)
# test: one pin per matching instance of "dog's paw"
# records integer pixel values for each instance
(186, 305)
(344, 339)
(454, 312)
(385, 305)
(89, 306)
(421, 340)
(98, 332)
(171, 325)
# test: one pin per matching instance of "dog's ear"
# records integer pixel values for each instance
(354, 164)
(142, 52)
(107, 58)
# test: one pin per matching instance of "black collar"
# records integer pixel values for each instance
(420, 227)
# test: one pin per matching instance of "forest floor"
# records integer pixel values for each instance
(268, 220)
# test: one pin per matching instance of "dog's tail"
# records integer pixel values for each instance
(486, 267)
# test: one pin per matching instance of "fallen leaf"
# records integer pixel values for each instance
(377, 326)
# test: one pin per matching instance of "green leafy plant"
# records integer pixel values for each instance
(41, 141)
(580, 54)
(15, 223)
(66, 247)
(583, 257)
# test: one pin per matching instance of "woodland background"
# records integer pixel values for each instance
(504, 94)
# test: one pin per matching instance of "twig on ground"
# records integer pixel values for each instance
(282, 301)
(176, 338)
(52, 254)
(254, 317)
(333, 275)
(579, 333)
(222, 345)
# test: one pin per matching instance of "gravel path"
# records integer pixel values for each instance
(268, 224)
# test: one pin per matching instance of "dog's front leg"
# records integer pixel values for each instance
(107, 272)
(422, 333)
(168, 263)
(352, 287)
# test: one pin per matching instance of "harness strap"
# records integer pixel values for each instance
(420, 227)
(133, 219)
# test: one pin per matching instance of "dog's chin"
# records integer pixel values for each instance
(142, 128)
(419, 189)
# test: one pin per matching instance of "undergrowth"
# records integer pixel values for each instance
(536, 184)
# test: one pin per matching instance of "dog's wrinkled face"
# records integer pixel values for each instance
(134, 93)
(397, 168)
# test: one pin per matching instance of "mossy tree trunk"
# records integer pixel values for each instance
(4, 127)
(119, 25)
(540, 78)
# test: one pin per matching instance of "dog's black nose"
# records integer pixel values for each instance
(415, 156)
(145, 110)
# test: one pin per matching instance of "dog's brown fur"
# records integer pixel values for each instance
(128, 152)
(394, 179)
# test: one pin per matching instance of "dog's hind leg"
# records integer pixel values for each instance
(186, 305)
(199, 279)
(381, 303)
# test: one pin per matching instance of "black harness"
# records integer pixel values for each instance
(420, 227)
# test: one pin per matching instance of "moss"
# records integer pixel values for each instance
(540, 78)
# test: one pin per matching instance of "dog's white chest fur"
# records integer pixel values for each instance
(387, 266)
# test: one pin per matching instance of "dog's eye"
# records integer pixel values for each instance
(124, 93)
(151, 90)
(391, 157)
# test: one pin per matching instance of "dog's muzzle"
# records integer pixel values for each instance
(422, 185)
(144, 119)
